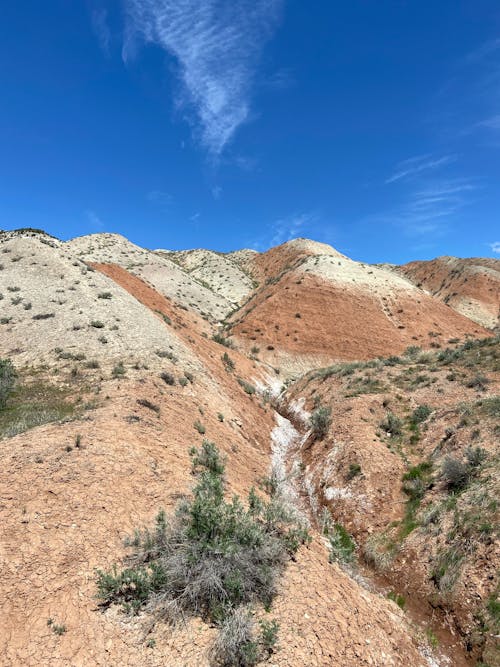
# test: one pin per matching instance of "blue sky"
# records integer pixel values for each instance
(370, 125)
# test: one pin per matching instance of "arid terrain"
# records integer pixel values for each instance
(359, 403)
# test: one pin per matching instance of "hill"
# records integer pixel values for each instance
(470, 286)
(343, 400)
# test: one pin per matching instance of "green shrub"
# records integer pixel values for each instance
(168, 378)
(478, 382)
(455, 474)
(354, 471)
(146, 403)
(228, 362)
(320, 421)
(119, 370)
(397, 598)
(199, 427)
(269, 633)
(342, 546)
(43, 316)
(247, 387)
(420, 414)
(392, 425)
(97, 324)
(104, 295)
(235, 645)
(475, 456)
(212, 558)
(222, 340)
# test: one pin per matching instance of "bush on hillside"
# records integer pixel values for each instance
(213, 558)
(455, 474)
(320, 421)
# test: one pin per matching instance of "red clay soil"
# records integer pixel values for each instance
(270, 264)
(456, 280)
(311, 316)
(191, 328)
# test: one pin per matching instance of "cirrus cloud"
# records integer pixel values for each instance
(217, 44)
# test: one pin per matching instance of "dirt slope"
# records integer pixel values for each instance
(68, 502)
(328, 308)
(470, 286)
(53, 304)
(129, 409)
(435, 546)
(217, 271)
(164, 274)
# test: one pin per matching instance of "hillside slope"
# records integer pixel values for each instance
(408, 466)
(470, 286)
(157, 269)
(124, 362)
(318, 308)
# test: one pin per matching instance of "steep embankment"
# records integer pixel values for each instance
(470, 286)
(408, 466)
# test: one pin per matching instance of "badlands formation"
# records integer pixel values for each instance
(367, 395)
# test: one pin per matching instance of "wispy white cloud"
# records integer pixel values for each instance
(217, 44)
(282, 79)
(418, 164)
(101, 29)
(429, 210)
(495, 247)
(483, 51)
(491, 123)
(94, 220)
(216, 192)
(289, 228)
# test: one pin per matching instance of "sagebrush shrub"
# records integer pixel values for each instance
(212, 558)
(320, 421)
(455, 474)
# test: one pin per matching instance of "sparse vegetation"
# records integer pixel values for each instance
(7, 380)
(146, 403)
(168, 378)
(119, 370)
(342, 546)
(35, 402)
(213, 558)
(199, 427)
(320, 421)
(354, 471)
(222, 340)
(400, 600)
(455, 474)
(228, 362)
(392, 425)
(247, 387)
